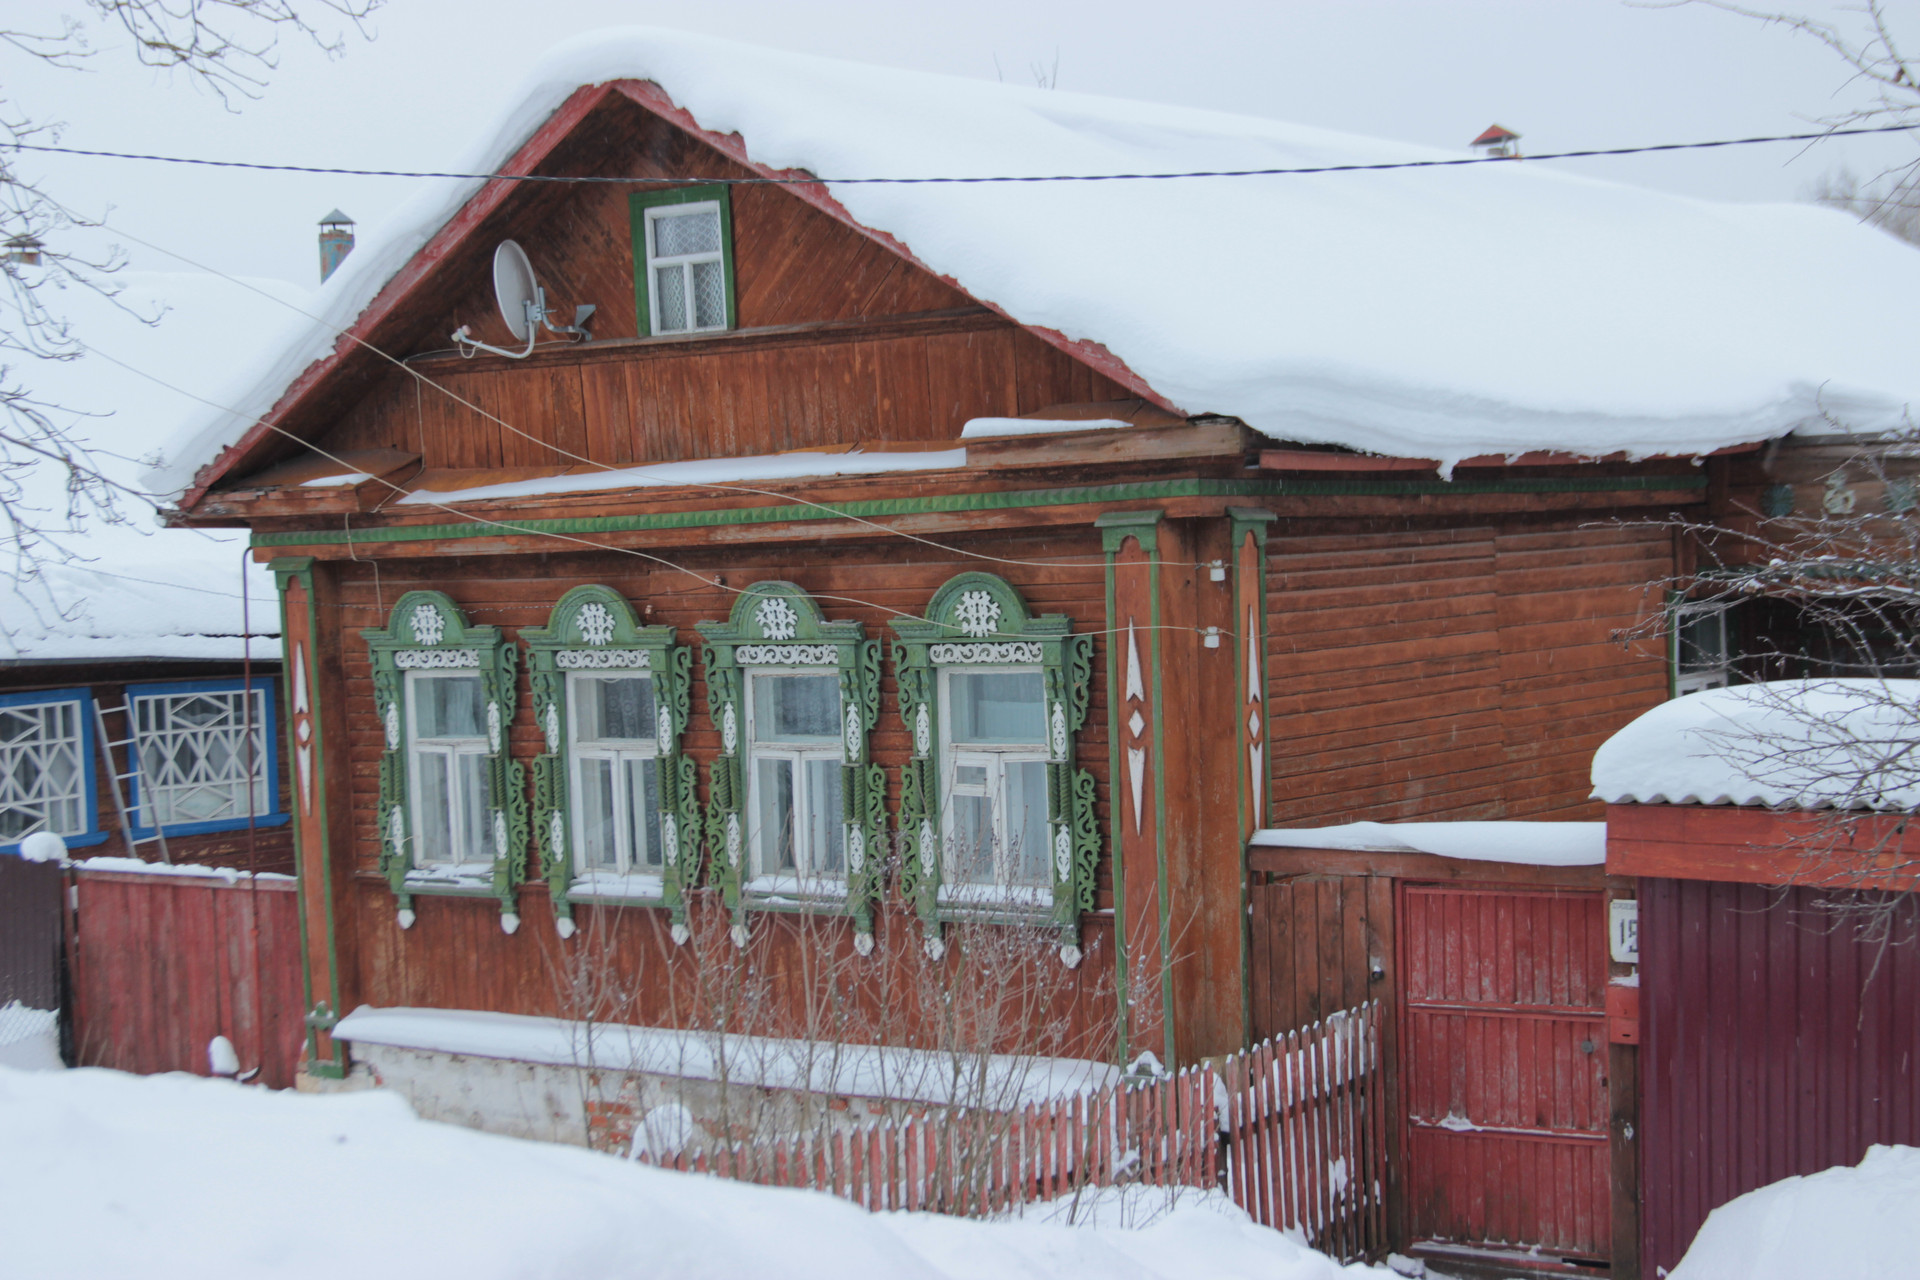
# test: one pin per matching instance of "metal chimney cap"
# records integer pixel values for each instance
(336, 219)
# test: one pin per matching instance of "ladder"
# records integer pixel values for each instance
(118, 780)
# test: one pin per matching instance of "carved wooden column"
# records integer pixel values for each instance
(1137, 781)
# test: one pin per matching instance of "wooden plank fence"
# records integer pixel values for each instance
(163, 963)
(1294, 1129)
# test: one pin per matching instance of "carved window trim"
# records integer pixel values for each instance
(776, 626)
(979, 621)
(594, 629)
(427, 631)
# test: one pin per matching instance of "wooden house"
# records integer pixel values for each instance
(847, 581)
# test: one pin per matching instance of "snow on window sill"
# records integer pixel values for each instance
(617, 886)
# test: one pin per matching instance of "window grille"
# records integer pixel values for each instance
(202, 756)
(43, 769)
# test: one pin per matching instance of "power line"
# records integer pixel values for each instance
(655, 179)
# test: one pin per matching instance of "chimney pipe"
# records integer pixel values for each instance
(336, 242)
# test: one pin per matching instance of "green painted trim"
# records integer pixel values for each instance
(286, 570)
(998, 500)
(967, 623)
(1241, 522)
(637, 205)
(1672, 609)
(613, 629)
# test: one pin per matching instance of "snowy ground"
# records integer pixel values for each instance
(110, 1175)
(1846, 1222)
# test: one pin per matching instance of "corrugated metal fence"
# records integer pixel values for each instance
(1775, 1041)
(163, 963)
(29, 934)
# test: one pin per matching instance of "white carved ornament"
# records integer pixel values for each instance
(556, 834)
(396, 828)
(427, 624)
(977, 614)
(853, 734)
(786, 655)
(856, 849)
(670, 838)
(1063, 854)
(733, 838)
(499, 833)
(1010, 651)
(602, 659)
(922, 731)
(729, 729)
(493, 726)
(1059, 732)
(390, 721)
(777, 619)
(435, 659)
(595, 622)
(550, 723)
(663, 730)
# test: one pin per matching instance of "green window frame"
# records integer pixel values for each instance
(979, 622)
(776, 627)
(427, 635)
(593, 629)
(639, 205)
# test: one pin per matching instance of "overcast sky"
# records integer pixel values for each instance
(1564, 73)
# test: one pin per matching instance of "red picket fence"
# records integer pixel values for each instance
(974, 1162)
(1300, 1121)
(1306, 1131)
(162, 963)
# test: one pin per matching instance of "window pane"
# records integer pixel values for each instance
(643, 811)
(42, 770)
(796, 708)
(773, 813)
(476, 844)
(680, 233)
(998, 706)
(970, 848)
(826, 838)
(432, 833)
(1026, 810)
(450, 707)
(709, 295)
(593, 816)
(614, 708)
(670, 296)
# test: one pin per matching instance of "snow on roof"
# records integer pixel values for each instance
(1846, 743)
(870, 1071)
(713, 471)
(1353, 309)
(1540, 844)
(141, 591)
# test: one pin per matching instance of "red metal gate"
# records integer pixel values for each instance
(1504, 1059)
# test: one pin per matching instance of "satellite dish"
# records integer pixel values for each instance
(523, 305)
(515, 289)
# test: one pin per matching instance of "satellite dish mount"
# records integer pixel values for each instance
(523, 305)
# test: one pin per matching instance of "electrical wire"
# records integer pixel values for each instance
(806, 180)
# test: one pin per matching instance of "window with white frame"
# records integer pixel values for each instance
(202, 755)
(994, 755)
(794, 783)
(615, 774)
(1701, 659)
(686, 267)
(43, 767)
(447, 755)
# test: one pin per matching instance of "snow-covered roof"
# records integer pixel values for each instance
(141, 591)
(1846, 743)
(1357, 309)
(1540, 844)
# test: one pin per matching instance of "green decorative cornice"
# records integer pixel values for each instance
(998, 500)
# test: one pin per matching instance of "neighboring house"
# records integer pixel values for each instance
(899, 565)
(142, 636)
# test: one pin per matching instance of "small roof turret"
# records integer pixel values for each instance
(336, 219)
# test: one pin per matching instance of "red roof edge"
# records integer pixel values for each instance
(1495, 133)
(525, 160)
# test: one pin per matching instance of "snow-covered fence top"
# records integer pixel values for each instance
(1840, 743)
(1540, 844)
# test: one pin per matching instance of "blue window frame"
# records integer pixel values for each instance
(191, 757)
(47, 768)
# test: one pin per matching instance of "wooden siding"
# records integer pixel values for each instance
(1454, 673)
(520, 973)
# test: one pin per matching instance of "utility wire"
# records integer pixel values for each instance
(805, 179)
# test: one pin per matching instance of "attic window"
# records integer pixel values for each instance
(683, 249)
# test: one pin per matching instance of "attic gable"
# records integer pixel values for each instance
(800, 261)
